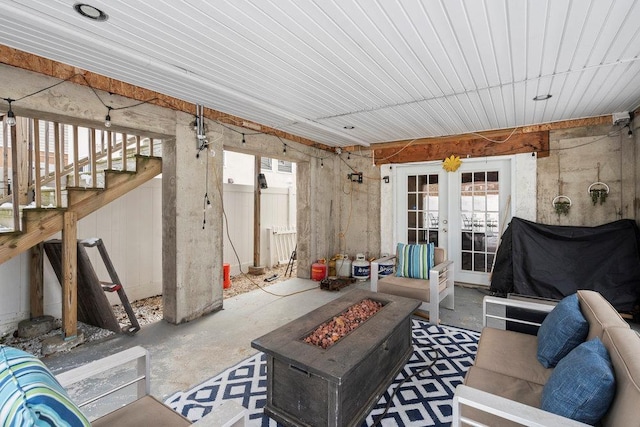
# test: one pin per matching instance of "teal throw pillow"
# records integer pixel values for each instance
(561, 331)
(414, 261)
(31, 396)
(582, 385)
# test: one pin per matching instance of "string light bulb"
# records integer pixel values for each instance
(243, 140)
(321, 163)
(10, 118)
(284, 149)
(107, 118)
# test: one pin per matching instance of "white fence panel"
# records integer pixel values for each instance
(277, 208)
(238, 207)
(282, 243)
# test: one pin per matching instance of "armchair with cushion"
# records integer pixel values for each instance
(422, 272)
(111, 391)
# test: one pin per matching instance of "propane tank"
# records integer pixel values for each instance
(332, 265)
(385, 268)
(360, 268)
(319, 270)
(343, 266)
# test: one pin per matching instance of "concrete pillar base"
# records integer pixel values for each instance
(58, 343)
(35, 327)
(256, 271)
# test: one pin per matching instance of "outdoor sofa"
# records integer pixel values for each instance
(508, 384)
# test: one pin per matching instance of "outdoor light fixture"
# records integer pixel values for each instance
(542, 97)
(107, 118)
(243, 141)
(90, 12)
(10, 118)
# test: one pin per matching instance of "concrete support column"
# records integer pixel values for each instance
(192, 229)
(307, 240)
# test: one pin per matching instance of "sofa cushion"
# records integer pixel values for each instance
(414, 261)
(623, 346)
(561, 331)
(599, 313)
(408, 288)
(31, 396)
(582, 385)
(505, 386)
(511, 353)
(146, 411)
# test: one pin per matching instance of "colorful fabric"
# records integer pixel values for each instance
(31, 396)
(414, 261)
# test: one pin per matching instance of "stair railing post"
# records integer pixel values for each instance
(36, 281)
(70, 275)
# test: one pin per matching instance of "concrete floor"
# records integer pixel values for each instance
(183, 356)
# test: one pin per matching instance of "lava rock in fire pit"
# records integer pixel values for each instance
(332, 331)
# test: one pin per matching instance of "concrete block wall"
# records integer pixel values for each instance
(579, 157)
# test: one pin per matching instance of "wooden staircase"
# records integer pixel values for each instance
(39, 224)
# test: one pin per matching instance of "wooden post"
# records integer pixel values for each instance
(21, 147)
(15, 178)
(69, 275)
(109, 149)
(124, 151)
(36, 281)
(256, 213)
(92, 156)
(76, 168)
(36, 164)
(57, 150)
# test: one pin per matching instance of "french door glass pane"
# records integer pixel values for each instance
(422, 208)
(479, 219)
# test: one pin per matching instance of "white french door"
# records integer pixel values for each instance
(461, 211)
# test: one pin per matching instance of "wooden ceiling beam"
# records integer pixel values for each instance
(525, 139)
(48, 67)
(469, 145)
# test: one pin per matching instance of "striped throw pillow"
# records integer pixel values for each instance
(31, 396)
(414, 261)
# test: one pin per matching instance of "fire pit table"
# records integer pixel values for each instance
(337, 386)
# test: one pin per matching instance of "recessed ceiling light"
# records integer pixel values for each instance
(542, 97)
(90, 12)
(349, 127)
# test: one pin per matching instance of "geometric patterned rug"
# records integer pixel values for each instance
(423, 400)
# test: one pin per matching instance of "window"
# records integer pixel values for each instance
(265, 163)
(285, 166)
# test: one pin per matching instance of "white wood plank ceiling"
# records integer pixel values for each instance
(392, 69)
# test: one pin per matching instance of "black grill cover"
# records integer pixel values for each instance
(554, 261)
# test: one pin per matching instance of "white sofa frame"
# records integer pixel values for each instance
(500, 406)
(438, 274)
(229, 414)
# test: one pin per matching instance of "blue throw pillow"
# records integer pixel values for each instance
(415, 261)
(582, 386)
(562, 330)
(31, 396)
